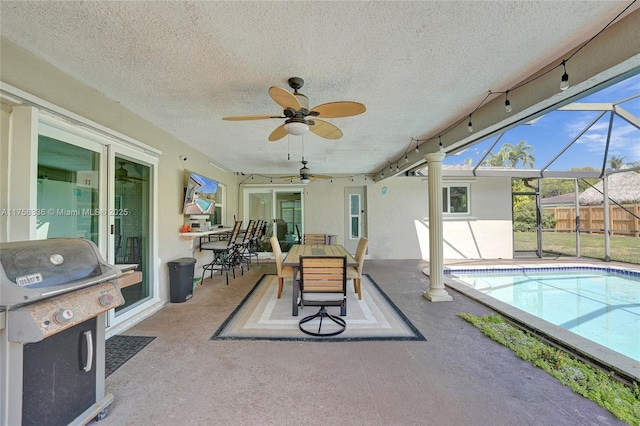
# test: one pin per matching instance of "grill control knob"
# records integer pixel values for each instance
(63, 316)
(106, 299)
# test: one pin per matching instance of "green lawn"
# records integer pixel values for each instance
(623, 248)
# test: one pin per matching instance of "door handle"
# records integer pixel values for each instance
(89, 362)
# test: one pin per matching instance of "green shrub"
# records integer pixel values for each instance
(621, 400)
(524, 217)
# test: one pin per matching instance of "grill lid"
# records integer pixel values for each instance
(33, 270)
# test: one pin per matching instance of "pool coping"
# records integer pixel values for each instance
(625, 366)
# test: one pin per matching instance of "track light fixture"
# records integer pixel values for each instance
(406, 159)
(470, 125)
(564, 82)
(507, 104)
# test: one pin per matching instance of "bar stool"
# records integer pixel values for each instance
(225, 253)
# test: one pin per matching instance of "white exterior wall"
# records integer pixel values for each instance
(397, 222)
(487, 232)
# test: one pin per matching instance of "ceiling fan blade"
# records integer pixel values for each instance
(339, 109)
(325, 130)
(278, 133)
(322, 176)
(250, 117)
(284, 98)
(290, 177)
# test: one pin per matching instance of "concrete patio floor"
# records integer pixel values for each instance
(457, 377)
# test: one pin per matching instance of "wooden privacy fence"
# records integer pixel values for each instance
(592, 219)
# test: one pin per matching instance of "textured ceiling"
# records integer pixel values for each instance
(417, 66)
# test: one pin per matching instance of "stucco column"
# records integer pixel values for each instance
(436, 292)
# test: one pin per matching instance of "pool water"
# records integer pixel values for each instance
(204, 205)
(597, 304)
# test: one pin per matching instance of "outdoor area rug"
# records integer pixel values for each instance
(262, 316)
(120, 349)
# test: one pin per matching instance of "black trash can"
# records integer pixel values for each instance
(181, 279)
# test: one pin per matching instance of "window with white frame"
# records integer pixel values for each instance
(217, 218)
(455, 198)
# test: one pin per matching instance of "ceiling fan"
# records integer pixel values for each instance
(305, 174)
(122, 174)
(296, 112)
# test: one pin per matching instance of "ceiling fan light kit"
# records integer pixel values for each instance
(296, 109)
(296, 128)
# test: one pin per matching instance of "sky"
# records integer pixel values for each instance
(553, 132)
(208, 186)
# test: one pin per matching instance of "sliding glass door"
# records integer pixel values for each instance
(89, 187)
(69, 186)
(131, 225)
(131, 200)
(281, 208)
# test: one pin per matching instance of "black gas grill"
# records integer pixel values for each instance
(54, 295)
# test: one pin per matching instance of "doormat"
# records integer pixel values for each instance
(262, 316)
(120, 349)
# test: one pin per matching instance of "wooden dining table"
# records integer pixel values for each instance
(293, 259)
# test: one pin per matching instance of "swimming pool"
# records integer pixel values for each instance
(602, 305)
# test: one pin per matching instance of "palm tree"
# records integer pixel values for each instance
(495, 160)
(616, 162)
(521, 152)
(510, 155)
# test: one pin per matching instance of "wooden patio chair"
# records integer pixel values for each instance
(315, 239)
(355, 272)
(323, 282)
(283, 271)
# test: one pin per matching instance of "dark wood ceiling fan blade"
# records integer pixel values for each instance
(250, 117)
(284, 98)
(339, 109)
(278, 133)
(325, 130)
